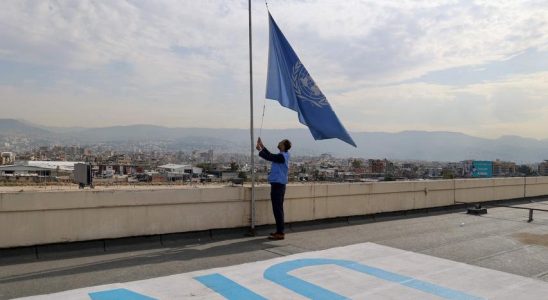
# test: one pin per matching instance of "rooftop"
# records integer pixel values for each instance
(22, 168)
(174, 166)
(502, 240)
(62, 165)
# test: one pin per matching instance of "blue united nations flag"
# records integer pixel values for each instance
(290, 83)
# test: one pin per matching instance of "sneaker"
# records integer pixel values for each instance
(276, 236)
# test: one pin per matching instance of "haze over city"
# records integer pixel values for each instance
(477, 67)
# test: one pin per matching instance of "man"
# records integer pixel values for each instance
(278, 180)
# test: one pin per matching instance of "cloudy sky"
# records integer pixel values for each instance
(476, 66)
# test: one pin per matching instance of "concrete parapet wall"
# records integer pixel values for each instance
(536, 186)
(32, 218)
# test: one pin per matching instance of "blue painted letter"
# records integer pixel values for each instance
(118, 294)
(227, 288)
(279, 274)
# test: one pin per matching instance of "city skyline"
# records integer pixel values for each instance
(416, 145)
(475, 67)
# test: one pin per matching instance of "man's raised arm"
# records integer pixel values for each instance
(277, 158)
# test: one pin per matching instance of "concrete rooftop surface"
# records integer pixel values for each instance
(501, 240)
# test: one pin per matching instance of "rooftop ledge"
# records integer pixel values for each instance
(38, 216)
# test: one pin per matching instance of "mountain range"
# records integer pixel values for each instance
(405, 145)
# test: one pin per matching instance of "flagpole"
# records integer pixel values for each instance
(252, 230)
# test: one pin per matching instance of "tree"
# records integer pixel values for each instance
(356, 164)
(242, 175)
(205, 166)
(447, 174)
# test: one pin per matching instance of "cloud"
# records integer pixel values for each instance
(389, 65)
(390, 41)
(513, 105)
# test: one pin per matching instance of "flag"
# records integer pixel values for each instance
(289, 83)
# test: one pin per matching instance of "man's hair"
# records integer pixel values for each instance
(287, 145)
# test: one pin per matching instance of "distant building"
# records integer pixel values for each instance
(179, 172)
(326, 156)
(543, 168)
(493, 168)
(433, 172)
(109, 170)
(377, 166)
(25, 174)
(64, 166)
(22, 170)
(504, 168)
(207, 157)
(7, 158)
(327, 174)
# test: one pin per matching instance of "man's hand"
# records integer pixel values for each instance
(259, 145)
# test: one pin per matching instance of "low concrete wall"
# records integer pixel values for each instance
(32, 218)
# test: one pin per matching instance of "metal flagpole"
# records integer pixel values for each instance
(252, 231)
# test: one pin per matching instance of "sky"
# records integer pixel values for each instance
(477, 66)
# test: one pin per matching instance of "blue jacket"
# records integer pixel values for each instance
(280, 166)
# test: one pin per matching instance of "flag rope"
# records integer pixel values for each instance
(262, 118)
(264, 99)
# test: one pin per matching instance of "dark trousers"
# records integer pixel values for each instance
(277, 193)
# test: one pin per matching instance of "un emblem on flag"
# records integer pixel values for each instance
(305, 88)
